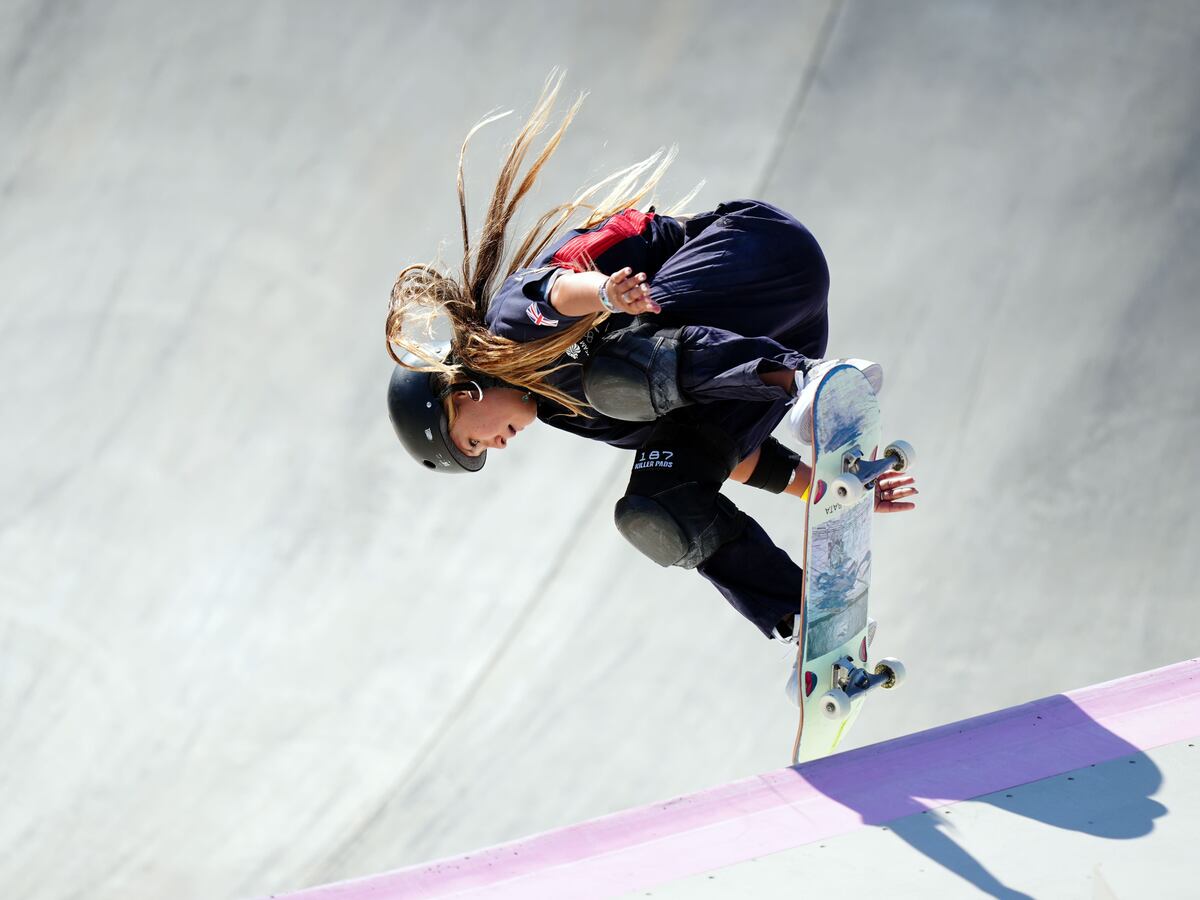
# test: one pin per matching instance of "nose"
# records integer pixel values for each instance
(501, 439)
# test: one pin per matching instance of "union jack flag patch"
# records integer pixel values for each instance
(536, 317)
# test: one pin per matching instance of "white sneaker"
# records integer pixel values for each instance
(792, 688)
(800, 418)
(791, 640)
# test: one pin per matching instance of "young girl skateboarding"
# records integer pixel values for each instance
(685, 339)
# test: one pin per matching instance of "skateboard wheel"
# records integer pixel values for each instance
(893, 669)
(904, 453)
(835, 704)
(846, 488)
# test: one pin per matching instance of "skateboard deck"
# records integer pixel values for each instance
(837, 562)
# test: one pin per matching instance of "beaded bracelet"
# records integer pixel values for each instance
(604, 301)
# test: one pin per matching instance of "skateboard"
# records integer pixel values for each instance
(835, 631)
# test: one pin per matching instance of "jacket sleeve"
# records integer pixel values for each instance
(521, 310)
(720, 365)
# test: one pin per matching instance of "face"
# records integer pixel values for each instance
(490, 423)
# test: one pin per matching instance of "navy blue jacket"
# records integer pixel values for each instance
(747, 282)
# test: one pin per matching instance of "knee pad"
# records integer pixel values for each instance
(681, 527)
(673, 510)
(633, 375)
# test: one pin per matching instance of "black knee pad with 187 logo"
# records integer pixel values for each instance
(673, 510)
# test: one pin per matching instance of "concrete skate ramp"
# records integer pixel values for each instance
(1058, 797)
(247, 646)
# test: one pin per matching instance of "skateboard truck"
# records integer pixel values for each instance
(859, 474)
(850, 681)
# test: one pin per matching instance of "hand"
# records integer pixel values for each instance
(890, 488)
(629, 293)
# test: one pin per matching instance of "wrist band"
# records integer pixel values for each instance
(604, 301)
(775, 469)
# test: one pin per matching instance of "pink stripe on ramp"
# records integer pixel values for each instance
(788, 808)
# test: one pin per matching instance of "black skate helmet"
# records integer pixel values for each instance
(415, 406)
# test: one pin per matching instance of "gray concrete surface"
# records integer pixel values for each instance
(246, 646)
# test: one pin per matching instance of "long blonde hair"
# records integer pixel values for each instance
(422, 294)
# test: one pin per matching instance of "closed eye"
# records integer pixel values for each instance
(466, 447)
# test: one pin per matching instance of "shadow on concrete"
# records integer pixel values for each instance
(1101, 785)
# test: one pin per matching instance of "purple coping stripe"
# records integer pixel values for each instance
(791, 807)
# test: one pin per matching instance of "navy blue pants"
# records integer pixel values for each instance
(752, 283)
(749, 268)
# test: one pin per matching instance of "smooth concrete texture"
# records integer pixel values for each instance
(247, 646)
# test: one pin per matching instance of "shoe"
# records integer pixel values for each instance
(800, 419)
(785, 633)
(792, 688)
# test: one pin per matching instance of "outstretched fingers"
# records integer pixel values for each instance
(891, 492)
(630, 293)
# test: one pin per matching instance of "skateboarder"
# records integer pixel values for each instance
(685, 339)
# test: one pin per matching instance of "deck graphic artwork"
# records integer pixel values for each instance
(840, 541)
(837, 596)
